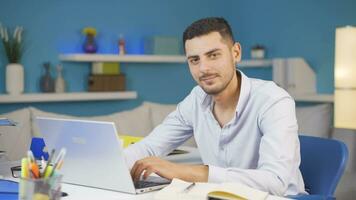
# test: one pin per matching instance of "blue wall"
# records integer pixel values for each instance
(300, 28)
(287, 28)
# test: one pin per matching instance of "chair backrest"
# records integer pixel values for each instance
(323, 162)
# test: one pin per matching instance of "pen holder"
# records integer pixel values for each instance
(40, 189)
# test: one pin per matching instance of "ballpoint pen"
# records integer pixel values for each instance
(33, 167)
(59, 160)
(30, 156)
(190, 186)
(48, 172)
(48, 164)
(43, 165)
(24, 168)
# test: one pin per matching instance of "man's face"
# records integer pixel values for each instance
(212, 61)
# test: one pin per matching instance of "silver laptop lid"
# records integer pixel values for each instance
(94, 154)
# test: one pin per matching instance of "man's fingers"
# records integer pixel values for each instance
(148, 172)
(136, 166)
(143, 165)
(137, 173)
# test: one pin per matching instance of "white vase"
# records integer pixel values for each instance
(60, 84)
(14, 78)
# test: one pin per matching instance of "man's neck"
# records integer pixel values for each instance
(228, 98)
(225, 102)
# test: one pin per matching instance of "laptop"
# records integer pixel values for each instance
(94, 155)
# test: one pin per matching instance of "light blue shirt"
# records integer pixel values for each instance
(259, 147)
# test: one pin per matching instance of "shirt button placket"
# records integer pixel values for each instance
(224, 145)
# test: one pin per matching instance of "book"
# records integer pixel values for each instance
(105, 68)
(179, 189)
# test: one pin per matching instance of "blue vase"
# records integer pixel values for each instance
(90, 44)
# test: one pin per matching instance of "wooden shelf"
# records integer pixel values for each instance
(322, 98)
(60, 97)
(123, 58)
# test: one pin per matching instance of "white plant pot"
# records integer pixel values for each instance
(14, 78)
(257, 53)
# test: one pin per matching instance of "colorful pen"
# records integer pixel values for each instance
(43, 165)
(59, 160)
(33, 165)
(24, 168)
(49, 162)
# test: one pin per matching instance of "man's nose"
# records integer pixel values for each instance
(204, 65)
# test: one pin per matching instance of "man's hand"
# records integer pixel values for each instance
(169, 170)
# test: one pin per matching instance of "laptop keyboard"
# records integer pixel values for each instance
(146, 184)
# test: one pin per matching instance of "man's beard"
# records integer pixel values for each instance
(215, 91)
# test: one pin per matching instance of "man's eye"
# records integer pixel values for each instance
(213, 55)
(194, 61)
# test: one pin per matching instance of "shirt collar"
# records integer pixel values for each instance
(206, 102)
(245, 89)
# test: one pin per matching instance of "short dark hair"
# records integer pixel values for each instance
(207, 25)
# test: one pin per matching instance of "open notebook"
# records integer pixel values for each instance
(201, 191)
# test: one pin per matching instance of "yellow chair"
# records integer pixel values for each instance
(128, 140)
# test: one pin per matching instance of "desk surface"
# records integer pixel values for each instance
(79, 192)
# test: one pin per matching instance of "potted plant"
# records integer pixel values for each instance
(13, 47)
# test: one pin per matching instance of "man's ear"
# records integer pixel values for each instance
(236, 52)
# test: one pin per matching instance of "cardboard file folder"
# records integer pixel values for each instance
(102, 83)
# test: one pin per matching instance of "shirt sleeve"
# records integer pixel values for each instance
(173, 132)
(279, 152)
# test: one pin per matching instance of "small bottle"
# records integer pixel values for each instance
(46, 82)
(122, 50)
(60, 84)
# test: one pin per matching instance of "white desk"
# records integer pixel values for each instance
(80, 192)
(77, 192)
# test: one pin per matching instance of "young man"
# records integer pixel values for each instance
(245, 129)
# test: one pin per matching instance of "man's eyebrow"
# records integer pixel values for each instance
(212, 51)
(193, 56)
(206, 53)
